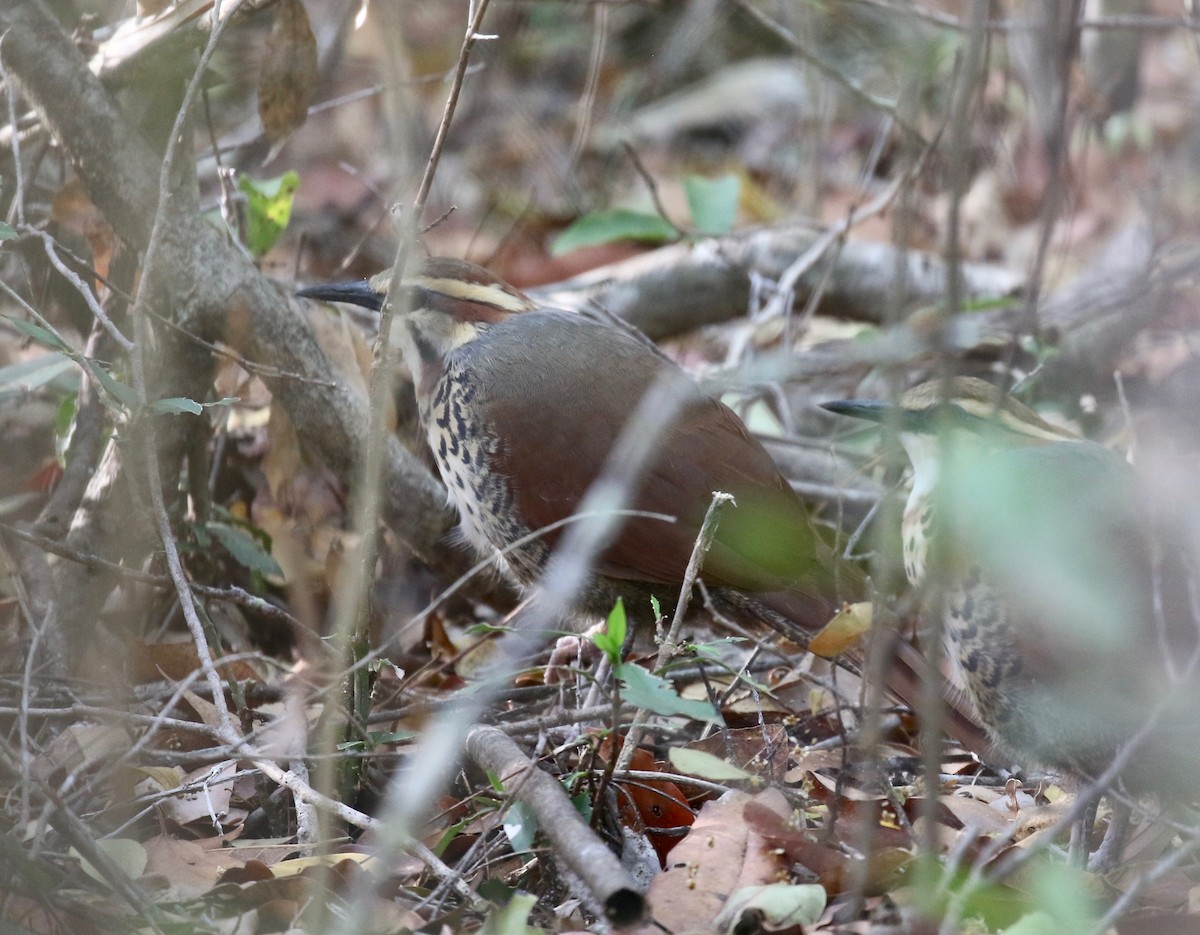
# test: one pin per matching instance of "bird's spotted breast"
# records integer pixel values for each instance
(464, 447)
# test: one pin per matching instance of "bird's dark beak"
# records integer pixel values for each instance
(873, 410)
(352, 293)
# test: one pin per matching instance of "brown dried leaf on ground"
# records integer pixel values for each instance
(721, 855)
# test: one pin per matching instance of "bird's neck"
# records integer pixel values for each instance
(933, 456)
(427, 338)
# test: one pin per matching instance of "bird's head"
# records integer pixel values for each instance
(960, 414)
(446, 303)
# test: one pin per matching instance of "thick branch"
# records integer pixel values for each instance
(686, 285)
(215, 291)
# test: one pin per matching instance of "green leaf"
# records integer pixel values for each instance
(7, 231)
(583, 805)
(391, 736)
(118, 390)
(43, 336)
(27, 375)
(612, 638)
(656, 607)
(127, 854)
(705, 766)
(512, 918)
(268, 209)
(647, 690)
(716, 650)
(713, 202)
(520, 826)
(64, 417)
(773, 906)
(177, 405)
(245, 549)
(601, 227)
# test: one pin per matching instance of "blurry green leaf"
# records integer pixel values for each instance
(773, 907)
(583, 805)
(118, 390)
(512, 918)
(375, 738)
(27, 375)
(1037, 922)
(705, 766)
(713, 202)
(43, 336)
(392, 736)
(1047, 522)
(448, 836)
(717, 649)
(612, 638)
(1066, 895)
(7, 231)
(520, 826)
(245, 549)
(127, 854)
(268, 209)
(64, 418)
(177, 405)
(601, 227)
(648, 691)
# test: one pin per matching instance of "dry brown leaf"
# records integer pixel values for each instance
(191, 869)
(208, 801)
(971, 812)
(74, 210)
(176, 661)
(288, 79)
(761, 751)
(844, 631)
(81, 746)
(720, 855)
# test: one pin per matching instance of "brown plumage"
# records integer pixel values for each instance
(522, 406)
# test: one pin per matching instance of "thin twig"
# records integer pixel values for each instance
(704, 539)
(651, 186)
(587, 102)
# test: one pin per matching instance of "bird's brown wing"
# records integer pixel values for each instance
(579, 384)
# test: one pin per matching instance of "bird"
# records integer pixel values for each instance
(1058, 592)
(521, 406)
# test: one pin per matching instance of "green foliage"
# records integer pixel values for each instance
(656, 694)
(114, 387)
(713, 202)
(613, 638)
(177, 405)
(268, 209)
(601, 227)
(43, 336)
(27, 375)
(512, 918)
(246, 550)
(706, 766)
(520, 827)
(376, 738)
